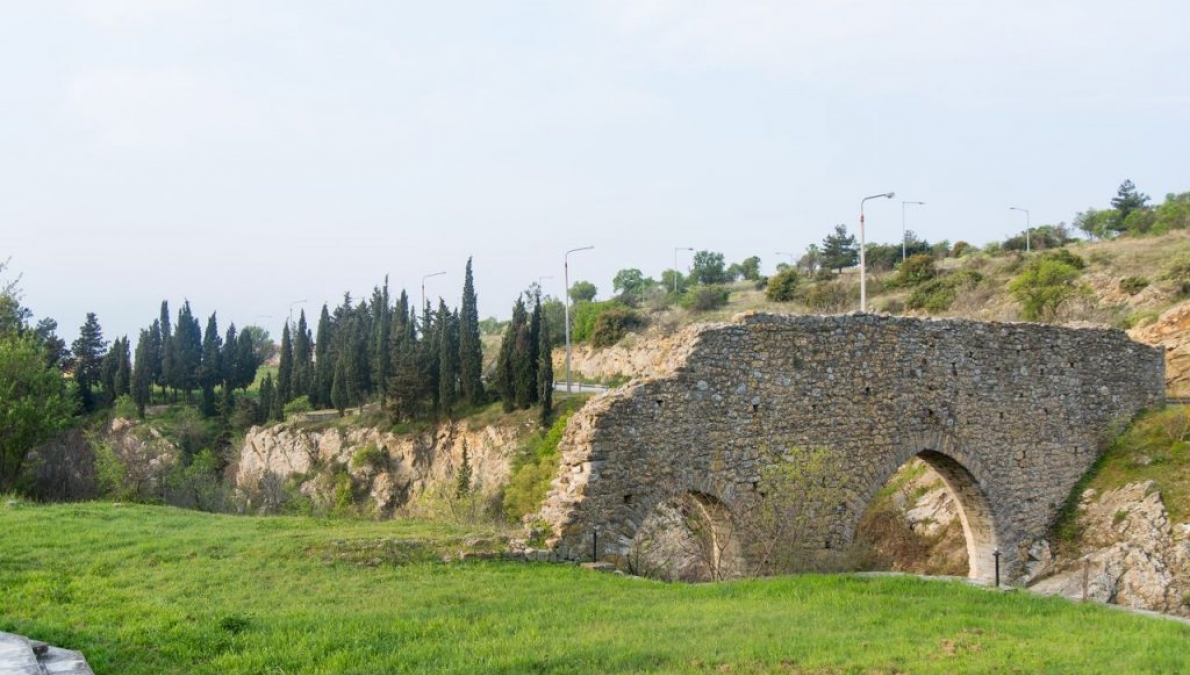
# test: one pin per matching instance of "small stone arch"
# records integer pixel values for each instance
(959, 474)
(689, 536)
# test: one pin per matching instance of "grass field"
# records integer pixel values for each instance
(152, 590)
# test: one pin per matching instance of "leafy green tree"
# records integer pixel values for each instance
(88, 352)
(470, 346)
(839, 250)
(34, 403)
(1043, 286)
(782, 286)
(811, 260)
(750, 268)
(56, 352)
(918, 268)
(1094, 223)
(673, 281)
(582, 291)
(708, 269)
(631, 284)
(285, 369)
(1174, 213)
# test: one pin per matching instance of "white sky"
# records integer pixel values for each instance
(245, 155)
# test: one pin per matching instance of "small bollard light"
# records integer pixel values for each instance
(996, 555)
(594, 545)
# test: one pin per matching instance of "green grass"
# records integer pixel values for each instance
(157, 590)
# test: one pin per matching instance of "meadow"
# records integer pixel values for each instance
(154, 590)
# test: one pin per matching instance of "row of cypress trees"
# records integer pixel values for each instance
(380, 350)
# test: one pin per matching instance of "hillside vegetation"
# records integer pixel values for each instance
(155, 590)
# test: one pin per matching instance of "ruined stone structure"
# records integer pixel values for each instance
(1010, 414)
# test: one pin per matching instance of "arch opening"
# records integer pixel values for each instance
(688, 537)
(931, 517)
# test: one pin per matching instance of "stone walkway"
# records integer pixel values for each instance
(22, 656)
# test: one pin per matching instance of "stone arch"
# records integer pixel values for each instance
(975, 509)
(690, 535)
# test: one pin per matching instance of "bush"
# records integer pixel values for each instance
(782, 287)
(1045, 284)
(533, 468)
(1064, 255)
(1133, 285)
(587, 313)
(827, 297)
(369, 456)
(613, 324)
(300, 404)
(918, 268)
(705, 298)
(933, 296)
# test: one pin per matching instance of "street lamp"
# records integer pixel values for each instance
(423, 289)
(295, 302)
(566, 304)
(904, 232)
(676, 249)
(788, 254)
(863, 259)
(1028, 228)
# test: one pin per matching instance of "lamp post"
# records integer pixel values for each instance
(566, 304)
(863, 259)
(295, 302)
(423, 288)
(1028, 228)
(676, 249)
(791, 263)
(904, 232)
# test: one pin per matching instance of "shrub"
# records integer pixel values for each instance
(1064, 255)
(1133, 285)
(369, 456)
(613, 324)
(933, 296)
(1043, 286)
(300, 404)
(827, 297)
(124, 407)
(782, 287)
(918, 268)
(587, 313)
(705, 298)
(533, 468)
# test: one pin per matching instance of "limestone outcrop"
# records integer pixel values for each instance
(1172, 331)
(391, 470)
(634, 356)
(1130, 554)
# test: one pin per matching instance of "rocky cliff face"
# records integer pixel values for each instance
(1172, 331)
(1128, 554)
(635, 356)
(386, 471)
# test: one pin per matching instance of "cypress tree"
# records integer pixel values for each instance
(187, 351)
(510, 346)
(361, 334)
(303, 364)
(545, 374)
(156, 352)
(88, 352)
(107, 373)
(166, 377)
(463, 477)
(210, 370)
(448, 354)
(341, 385)
(324, 366)
(247, 361)
(470, 345)
(230, 358)
(285, 370)
(378, 347)
(142, 371)
(267, 394)
(122, 383)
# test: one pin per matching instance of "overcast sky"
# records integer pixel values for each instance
(246, 155)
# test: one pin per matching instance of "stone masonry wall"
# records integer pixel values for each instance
(1011, 415)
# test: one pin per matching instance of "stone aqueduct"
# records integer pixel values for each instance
(1010, 414)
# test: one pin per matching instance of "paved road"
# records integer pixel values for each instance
(581, 388)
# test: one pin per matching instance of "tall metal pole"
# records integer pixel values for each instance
(905, 232)
(295, 302)
(863, 258)
(676, 249)
(1028, 228)
(423, 289)
(566, 305)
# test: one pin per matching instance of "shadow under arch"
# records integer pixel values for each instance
(974, 510)
(688, 536)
